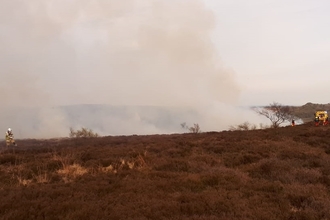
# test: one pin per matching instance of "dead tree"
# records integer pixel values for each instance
(276, 113)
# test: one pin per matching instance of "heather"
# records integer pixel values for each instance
(281, 173)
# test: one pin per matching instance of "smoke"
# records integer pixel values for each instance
(132, 53)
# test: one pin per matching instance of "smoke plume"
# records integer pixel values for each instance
(131, 53)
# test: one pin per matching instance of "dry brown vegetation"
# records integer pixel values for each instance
(279, 173)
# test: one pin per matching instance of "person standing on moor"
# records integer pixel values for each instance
(10, 138)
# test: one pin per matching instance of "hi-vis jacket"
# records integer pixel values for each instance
(9, 135)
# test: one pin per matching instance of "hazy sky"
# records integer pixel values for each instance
(165, 52)
(207, 55)
(278, 49)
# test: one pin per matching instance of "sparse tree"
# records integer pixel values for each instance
(83, 132)
(184, 125)
(276, 113)
(193, 129)
(243, 127)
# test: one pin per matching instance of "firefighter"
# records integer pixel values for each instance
(317, 120)
(10, 138)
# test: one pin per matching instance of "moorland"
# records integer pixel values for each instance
(281, 173)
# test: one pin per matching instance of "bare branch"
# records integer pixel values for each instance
(276, 113)
(193, 129)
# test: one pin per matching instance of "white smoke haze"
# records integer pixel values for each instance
(120, 53)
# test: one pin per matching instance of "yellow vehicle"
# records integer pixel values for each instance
(321, 117)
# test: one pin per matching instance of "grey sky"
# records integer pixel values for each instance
(206, 55)
(279, 49)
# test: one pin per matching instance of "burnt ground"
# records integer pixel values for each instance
(259, 174)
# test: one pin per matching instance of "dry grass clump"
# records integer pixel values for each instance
(71, 172)
(22, 181)
(137, 163)
(42, 177)
(70, 169)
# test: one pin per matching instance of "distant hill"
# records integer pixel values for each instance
(120, 120)
(103, 119)
(306, 112)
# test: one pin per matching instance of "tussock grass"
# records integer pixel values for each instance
(71, 172)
